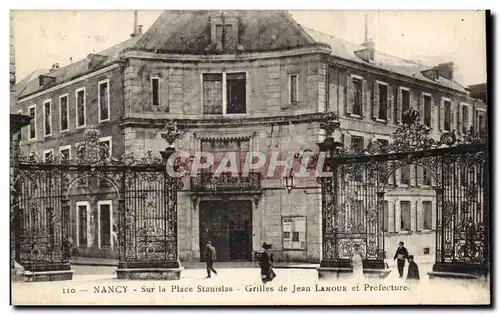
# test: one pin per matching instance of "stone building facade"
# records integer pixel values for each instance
(244, 81)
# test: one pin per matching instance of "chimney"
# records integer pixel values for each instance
(446, 70)
(139, 30)
(368, 53)
(54, 67)
(136, 30)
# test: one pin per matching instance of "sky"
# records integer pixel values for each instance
(43, 38)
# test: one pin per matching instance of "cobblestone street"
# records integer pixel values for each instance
(98, 285)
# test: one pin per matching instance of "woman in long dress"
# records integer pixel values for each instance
(266, 264)
(357, 262)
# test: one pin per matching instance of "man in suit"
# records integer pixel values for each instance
(210, 256)
(401, 255)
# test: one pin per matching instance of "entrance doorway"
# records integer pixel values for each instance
(228, 225)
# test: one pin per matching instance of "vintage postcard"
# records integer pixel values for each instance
(208, 157)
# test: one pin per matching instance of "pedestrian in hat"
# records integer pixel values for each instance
(266, 264)
(401, 256)
(210, 256)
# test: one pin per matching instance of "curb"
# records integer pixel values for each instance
(104, 264)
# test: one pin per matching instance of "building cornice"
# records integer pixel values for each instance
(313, 49)
(346, 64)
(71, 81)
(221, 122)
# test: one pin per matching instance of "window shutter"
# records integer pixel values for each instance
(366, 142)
(376, 100)
(470, 117)
(420, 215)
(400, 104)
(390, 219)
(453, 116)
(390, 179)
(397, 224)
(365, 99)
(420, 175)
(347, 141)
(421, 108)
(434, 215)
(164, 103)
(441, 115)
(460, 118)
(350, 95)
(390, 100)
(476, 119)
(398, 176)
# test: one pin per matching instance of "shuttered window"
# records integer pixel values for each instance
(427, 110)
(80, 108)
(155, 91)
(465, 118)
(427, 215)
(383, 100)
(212, 93)
(405, 216)
(357, 86)
(63, 113)
(447, 115)
(47, 118)
(386, 216)
(405, 100)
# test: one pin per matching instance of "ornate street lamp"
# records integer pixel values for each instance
(289, 182)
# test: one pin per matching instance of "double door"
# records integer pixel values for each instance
(228, 225)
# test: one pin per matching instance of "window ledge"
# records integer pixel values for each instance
(404, 232)
(425, 231)
(355, 116)
(381, 120)
(295, 249)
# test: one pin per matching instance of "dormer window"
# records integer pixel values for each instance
(224, 31)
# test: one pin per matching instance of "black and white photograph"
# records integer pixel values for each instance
(249, 157)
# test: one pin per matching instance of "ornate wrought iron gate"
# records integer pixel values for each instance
(146, 196)
(353, 198)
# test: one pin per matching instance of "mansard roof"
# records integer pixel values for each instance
(189, 32)
(30, 84)
(345, 50)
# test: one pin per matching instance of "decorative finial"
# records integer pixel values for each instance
(410, 116)
(331, 124)
(92, 133)
(171, 132)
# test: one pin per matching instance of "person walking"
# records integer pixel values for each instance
(412, 269)
(210, 256)
(401, 255)
(357, 262)
(266, 264)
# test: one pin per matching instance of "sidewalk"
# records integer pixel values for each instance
(90, 261)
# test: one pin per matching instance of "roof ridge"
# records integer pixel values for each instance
(380, 52)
